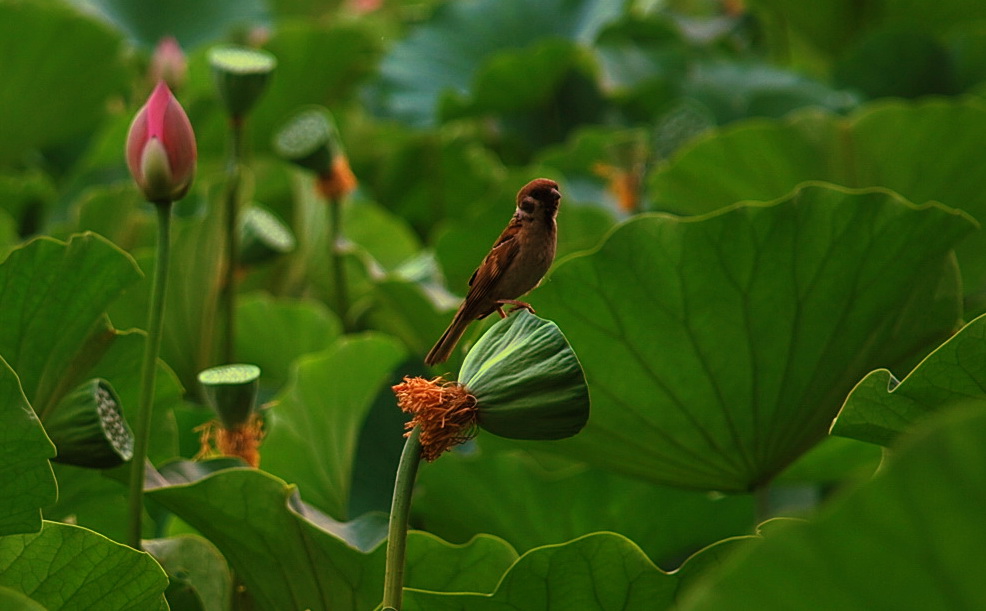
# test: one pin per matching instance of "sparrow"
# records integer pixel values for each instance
(514, 266)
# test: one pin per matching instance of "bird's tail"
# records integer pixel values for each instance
(446, 343)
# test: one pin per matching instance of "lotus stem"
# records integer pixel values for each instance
(234, 166)
(400, 508)
(338, 262)
(148, 370)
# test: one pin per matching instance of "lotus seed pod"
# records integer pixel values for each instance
(263, 236)
(309, 139)
(527, 380)
(88, 428)
(231, 390)
(241, 76)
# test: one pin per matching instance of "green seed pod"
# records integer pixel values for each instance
(309, 139)
(88, 428)
(263, 236)
(527, 381)
(241, 76)
(231, 390)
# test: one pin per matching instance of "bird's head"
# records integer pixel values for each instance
(540, 196)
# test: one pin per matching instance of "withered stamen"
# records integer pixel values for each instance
(444, 410)
(244, 441)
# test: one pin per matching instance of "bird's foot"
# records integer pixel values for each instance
(517, 305)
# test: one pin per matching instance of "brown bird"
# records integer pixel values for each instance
(514, 267)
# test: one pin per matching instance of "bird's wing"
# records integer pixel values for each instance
(486, 277)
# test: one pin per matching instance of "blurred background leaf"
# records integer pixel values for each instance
(66, 57)
(190, 22)
(315, 421)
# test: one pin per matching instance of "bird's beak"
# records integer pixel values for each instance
(556, 194)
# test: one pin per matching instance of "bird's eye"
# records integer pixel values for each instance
(528, 204)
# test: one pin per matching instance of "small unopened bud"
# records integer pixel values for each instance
(161, 150)
(168, 64)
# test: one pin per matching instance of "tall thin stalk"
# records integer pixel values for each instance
(147, 373)
(234, 166)
(338, 261)
(400, 508)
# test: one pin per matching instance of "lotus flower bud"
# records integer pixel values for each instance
(168, 63)
(161, 150)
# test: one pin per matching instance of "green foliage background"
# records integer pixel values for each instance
(769, 251)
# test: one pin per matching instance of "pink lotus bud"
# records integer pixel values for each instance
(161, 148)
(168, 63)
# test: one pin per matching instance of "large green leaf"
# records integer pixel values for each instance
(191, 22)
(315, 424)
(53, 296)
(319, 62)
(428, 567)
(58, 79)
(26, 481)
(292, 556)
(196, 569)
(898, 63)
(909, 539)
(271, 333)
(404, 310)
(765, 159)
(190, 327)
(438, 174)
(444, 55)
(25, 196)
(734, 90)
(288, 554)
(719, 348)
(69, 567)
(383, 235)
(598, 572)
(510, 495)
(832, 27)
(12, 599)
(880, 407)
